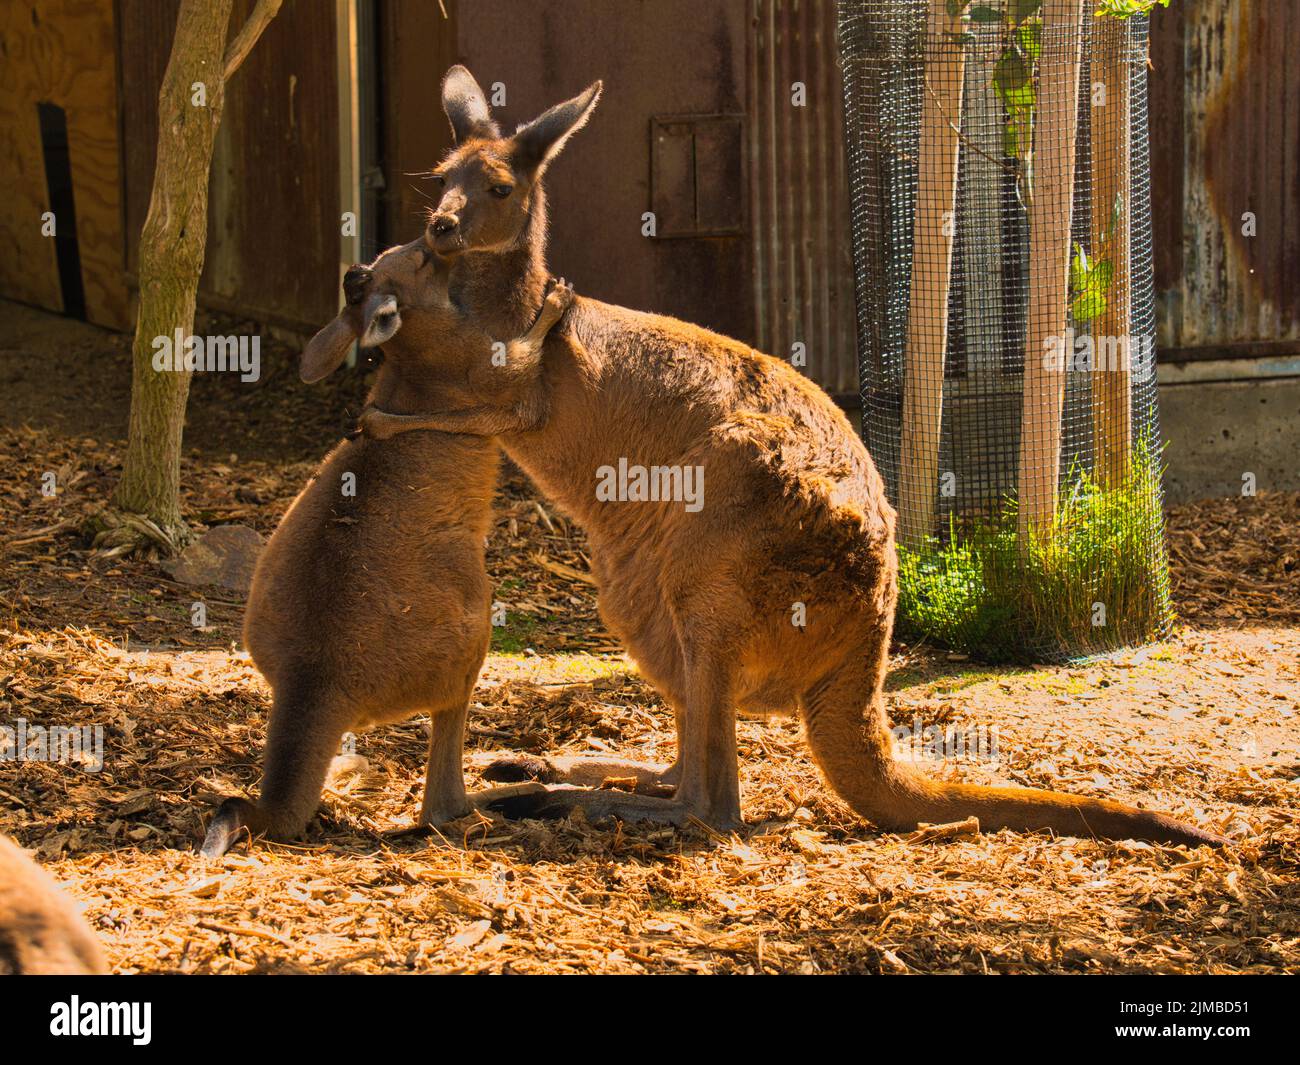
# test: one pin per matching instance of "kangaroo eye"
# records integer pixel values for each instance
(502, 191)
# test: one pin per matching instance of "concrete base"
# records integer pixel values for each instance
(1218, 431)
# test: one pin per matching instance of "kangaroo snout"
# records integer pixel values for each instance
(443, 234)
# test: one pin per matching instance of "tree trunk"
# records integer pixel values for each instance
(172, 247)
(932, 241)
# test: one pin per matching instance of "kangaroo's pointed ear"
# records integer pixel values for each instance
(466, 106)
(326, 351)
(540, 141)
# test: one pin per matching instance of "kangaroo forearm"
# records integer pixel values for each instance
(473, 421)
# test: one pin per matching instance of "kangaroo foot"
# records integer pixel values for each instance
(556, 803)
(441, 812)
(645, 779)
(235, 818)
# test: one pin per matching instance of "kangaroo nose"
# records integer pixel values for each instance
(443, 224)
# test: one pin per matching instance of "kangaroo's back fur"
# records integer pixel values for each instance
(41, 933)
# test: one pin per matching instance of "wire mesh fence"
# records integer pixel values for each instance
(999, 176)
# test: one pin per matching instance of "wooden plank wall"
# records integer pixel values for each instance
(417, 43)
(61, 52)
(274, 226)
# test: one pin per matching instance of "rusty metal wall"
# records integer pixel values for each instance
(683, 58)
(273, 211)
(803, 269)
(1226, 140)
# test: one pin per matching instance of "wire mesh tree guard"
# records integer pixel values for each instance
(999, 178)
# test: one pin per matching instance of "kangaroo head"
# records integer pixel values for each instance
(404, 280)
(488, 184)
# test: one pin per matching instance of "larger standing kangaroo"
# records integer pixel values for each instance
(793, 526)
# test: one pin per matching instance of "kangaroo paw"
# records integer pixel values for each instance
(558, 300)
(374, 424)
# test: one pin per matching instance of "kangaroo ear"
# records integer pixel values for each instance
(540, 141)
(466, 106)
(326, 351)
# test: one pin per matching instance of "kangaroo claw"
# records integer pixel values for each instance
(229, 823)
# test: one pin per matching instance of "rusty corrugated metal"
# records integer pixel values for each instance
(803, 271)
(1238, 116)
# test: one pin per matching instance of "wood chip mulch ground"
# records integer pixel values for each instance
(1204, 726)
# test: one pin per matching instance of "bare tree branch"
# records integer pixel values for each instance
(252, 30)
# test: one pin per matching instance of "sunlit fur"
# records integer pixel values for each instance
(794, 513)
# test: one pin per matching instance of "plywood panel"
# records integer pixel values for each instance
(61, 52)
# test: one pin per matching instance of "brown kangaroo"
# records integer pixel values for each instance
(794, 524)
(41, 933)
(371, 602)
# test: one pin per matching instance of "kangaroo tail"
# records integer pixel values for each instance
(856, 754)
(302, 738)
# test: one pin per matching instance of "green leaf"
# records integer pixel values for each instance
(1088, 305)
(1022, 9)
(1030, 38)
(1079, 269)
(1018, 134)
(1013, 79)
(1101, 275)
(1127, 8)
(985, 14)
(955, 7)
(1011, 140)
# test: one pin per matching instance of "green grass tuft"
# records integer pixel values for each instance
(1103, 559)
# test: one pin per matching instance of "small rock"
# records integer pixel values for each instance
(224, 556)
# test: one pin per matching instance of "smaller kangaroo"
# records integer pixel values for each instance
(41, 933)
(371, 602)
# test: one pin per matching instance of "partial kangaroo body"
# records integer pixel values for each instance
(371, 602)
(778, 592)
(41, 933)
